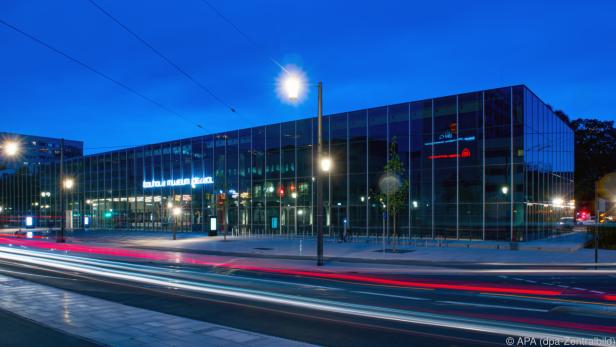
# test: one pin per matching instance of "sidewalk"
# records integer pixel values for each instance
(14, 326)
(371, 252)
(108, 323)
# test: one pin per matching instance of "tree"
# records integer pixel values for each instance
(393, 188)
(595, 156)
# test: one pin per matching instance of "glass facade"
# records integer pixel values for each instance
(22, 176)
(493, 165)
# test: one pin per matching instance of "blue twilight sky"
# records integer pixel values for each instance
(368, 53)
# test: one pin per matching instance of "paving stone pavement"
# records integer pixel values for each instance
(112, 324)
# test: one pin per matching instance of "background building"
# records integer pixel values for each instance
(21, 192)
(495, 165)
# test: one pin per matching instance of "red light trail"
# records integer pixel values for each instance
(211, 261)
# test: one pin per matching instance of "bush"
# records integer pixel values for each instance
(607, 236)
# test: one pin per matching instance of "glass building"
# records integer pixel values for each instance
(488, 165)
(21, 194)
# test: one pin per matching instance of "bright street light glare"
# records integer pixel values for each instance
(68, 183)
(326, 164)
(504, 190)
(11, 148)
(557, 202)
(177, 211)
(291, 84)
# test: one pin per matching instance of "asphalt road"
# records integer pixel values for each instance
(448, 309)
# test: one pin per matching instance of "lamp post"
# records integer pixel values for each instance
(177, 211)
(504, 190)
(67, 184)
(596, 222)
(10, 149)
(225, 188)
(325, 165)
(60, 236)
(293, 84)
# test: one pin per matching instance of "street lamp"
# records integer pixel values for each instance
(67, 184)
(225, 192)
(292, 86)
(504, 190)
(558, 202)
(177, 211)
(11, 148)
(326, 164)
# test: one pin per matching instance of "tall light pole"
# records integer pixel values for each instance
(596, 237)
(292, 85)
(225, 202)
(177, 211)
(320, 176)
(169, 212)
(504, 190)
(10, 149)
(225, 188)
(60, 236)
(67, 184)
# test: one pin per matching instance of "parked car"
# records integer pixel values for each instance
(566, 223)
(33, 233)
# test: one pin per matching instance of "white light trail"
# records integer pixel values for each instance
(95, 267)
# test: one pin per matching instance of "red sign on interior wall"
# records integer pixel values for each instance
(466, 153)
